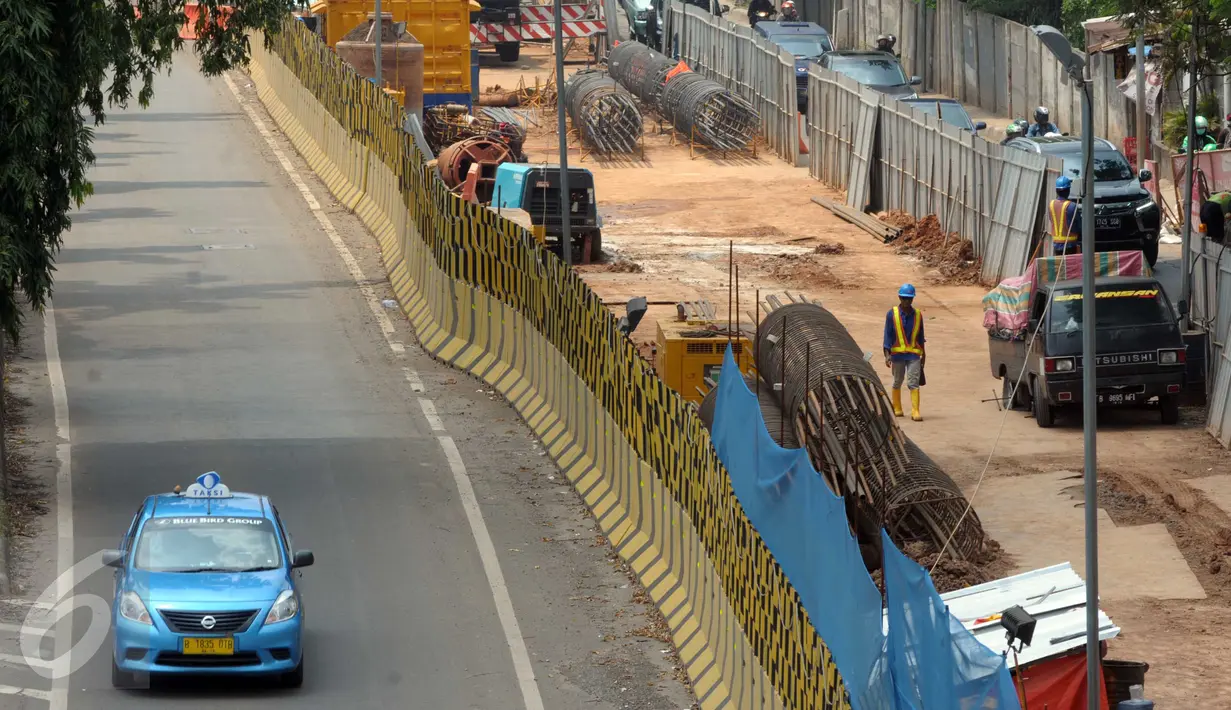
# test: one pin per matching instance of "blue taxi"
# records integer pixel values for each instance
(206, 583)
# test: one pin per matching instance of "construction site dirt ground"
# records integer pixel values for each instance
(670, 222)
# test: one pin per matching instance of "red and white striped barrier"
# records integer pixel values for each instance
(485, 35)
(538, 31)
(546, 13)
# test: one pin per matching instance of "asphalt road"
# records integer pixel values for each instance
(197, 333)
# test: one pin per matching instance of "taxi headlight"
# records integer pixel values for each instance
(133, 609)
(284, 609)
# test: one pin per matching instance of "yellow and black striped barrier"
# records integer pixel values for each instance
(485, 298)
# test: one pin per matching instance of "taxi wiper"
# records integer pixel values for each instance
(253, 569)
(192, 570)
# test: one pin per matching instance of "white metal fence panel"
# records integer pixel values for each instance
(859, 186)
(833, 114)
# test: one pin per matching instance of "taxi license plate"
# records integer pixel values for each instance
(1106, 222)
(209, 646)
(1118, 398)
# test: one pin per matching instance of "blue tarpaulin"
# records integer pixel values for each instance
(934, 660)
(929, 661)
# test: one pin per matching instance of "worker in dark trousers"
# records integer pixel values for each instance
(1214, 213)
(1064, 220)
(904, 350)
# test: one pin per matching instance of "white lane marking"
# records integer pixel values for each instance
(24, 692)
(26, 662)
(495, 578)
(528, 684)
(429, 413)
(352, 265)
(416, 385)
(58, 697)
(28, 630)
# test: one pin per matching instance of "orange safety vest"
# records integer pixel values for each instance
(900, 343)
(1061, 233)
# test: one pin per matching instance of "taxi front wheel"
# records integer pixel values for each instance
(294, 679)
(124, 679)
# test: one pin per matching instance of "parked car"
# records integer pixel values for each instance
(1125, 216)
(950, 111)
(878, 70)
(806, 40)
(637, 11)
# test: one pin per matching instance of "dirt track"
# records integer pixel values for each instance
(671, 221)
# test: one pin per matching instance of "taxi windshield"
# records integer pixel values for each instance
(208, 545)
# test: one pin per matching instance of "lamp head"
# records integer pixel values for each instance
(1055, 41)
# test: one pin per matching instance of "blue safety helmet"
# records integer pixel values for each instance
(907, 291)
(1063, 182)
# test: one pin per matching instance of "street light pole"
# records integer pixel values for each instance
(1186, 233)
(566, 235)
(1075, 64)
(1089, 395)
(379, 51)
(1143, 136)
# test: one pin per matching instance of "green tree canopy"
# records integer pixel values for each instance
(64, 63)
(1177, 24)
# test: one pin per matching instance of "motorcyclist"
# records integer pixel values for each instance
(789, 13)
(760, 10)
(1011, 131)
(886, 43)
(1205, 139)
(1042, 124)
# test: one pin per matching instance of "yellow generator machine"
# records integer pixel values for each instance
(689, 350)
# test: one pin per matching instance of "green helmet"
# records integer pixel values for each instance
(1013, 130)
(1202, 125)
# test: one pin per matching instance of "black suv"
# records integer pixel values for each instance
(1125, 216)
(879, 70)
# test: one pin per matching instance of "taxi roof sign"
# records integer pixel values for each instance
(208, 485)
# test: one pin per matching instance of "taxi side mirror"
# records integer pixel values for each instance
(113, 558)
(303, 558)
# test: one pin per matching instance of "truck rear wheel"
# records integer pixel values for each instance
(1170, 408)
(1010, 399)
(508, 51)
(1044, 413)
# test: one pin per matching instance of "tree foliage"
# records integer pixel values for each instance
(1037, 12)
(1076, 12)
(65, 62)
(1177, 24)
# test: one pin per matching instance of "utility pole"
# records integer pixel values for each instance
(378, 50)
(1089, 392)
(1143, 135)
(566, 233)
(1187, 209)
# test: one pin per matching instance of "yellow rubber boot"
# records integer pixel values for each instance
(897, 403)
(914, 406)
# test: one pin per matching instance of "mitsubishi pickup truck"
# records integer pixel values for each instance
(1140, 352)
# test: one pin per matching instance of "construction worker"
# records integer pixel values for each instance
(1205, 140)
(904, 349)
(1042, 124)
(1214, 213)
(1064, 219)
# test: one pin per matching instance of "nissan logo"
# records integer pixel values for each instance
(208, 622)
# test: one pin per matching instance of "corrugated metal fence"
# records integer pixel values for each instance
(746, 64)
(1211, 308)
(891, 156)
